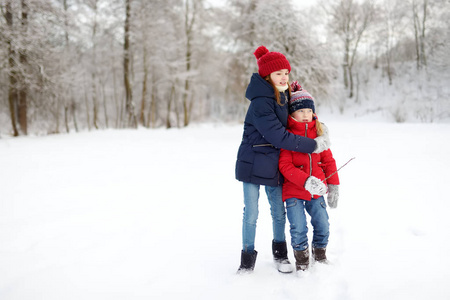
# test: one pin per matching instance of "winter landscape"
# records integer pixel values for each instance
(156, 214)
(120, 123)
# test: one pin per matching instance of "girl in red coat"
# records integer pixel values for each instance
(305, 182)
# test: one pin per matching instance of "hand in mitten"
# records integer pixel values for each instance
(323, 141)
(333, 195)
(315, 186)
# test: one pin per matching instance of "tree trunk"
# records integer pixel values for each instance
(388, 59)
(94, 102)
(69, 105)
(74, 114)
(350, 75)
(117, 102)
(151, 118)
(416, 34)
(422, 37)
(419, 33)
(104, 104)
(129, 106)
(57, 117)
(94, 67)
(88, 118)
(345, 66)
(66, 118)
(169, 104)
(177, 111)
(144, 89)
(22, 106)
(12, 100)
(66, 21)
(12, 91)
(185, 104)
(189, 23)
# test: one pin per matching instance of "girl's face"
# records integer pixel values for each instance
(280, 77)
(303, 115)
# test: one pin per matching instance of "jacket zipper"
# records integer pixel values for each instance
(309, 154)
(285, 101)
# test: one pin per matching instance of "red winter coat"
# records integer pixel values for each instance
(296, 167)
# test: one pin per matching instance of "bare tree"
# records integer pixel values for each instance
(12, 93)
(420, 13)
(190, 14)
(129, 104)
(22, 106)
(350, 20)
(391, 20)
(17, 40)
(95, 105)
(144, 17)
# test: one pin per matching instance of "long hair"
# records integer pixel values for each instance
(319, 127)
(276, 92)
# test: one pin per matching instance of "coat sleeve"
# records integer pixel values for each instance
(329, 166)
(270, 127)
(289, 171)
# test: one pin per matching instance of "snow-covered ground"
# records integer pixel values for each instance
(156, 214)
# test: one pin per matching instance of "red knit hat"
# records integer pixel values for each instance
(269, 62)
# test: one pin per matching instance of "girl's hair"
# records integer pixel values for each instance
(319, 127)
(276, 92)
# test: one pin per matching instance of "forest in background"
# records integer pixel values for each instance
(75, 65)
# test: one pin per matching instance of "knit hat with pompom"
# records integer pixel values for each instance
(269, 62)
(300, 98)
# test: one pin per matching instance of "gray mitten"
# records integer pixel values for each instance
(315, 186)
(323, 141)
(333, 195)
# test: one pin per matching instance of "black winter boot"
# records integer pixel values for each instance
(319, 255)
(301, 259)
(279, 251)
(248, 260)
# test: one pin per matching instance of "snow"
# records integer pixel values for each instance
(156, 214)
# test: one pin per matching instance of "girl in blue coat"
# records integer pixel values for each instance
(257, 160)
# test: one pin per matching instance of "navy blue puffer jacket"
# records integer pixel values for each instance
(265, 134)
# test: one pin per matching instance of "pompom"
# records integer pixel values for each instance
(260, 51)
(295, 86)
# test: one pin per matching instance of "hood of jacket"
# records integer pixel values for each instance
(258, 87)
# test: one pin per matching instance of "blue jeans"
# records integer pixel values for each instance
(251, 196)
(317, 209)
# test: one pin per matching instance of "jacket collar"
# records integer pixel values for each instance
(300, 127)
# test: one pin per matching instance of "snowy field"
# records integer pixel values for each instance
(156, 214)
